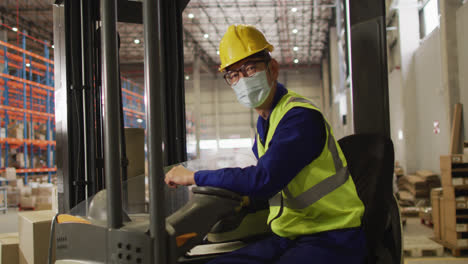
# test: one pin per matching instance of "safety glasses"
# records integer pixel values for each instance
(247, 69)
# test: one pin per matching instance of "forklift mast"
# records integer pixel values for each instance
(79, 49)
(89, 124)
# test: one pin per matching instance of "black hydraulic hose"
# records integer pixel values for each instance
(123, 147)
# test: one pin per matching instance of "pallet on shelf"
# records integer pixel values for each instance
(454, 170)
(454, 203)
(456, 215)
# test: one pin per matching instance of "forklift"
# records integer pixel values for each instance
(187, 225)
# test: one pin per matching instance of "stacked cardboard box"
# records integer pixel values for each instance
(454, 201)
(414, 191)
(12, 189)
(12, 196)
(13, 192)
(9, 174)
(2, 132)
(419, 184)
(34, 234)
(44, 196)
(40, 131)
(15, 130)
(9, 252)
(37, 196)
(27, 199)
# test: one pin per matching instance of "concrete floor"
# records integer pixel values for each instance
(413, 229)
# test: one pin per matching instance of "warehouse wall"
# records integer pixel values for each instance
(462, 37)
(416, 102)
(418, 89)
(234, 120)
(431, 106)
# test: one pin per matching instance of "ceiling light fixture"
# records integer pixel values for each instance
(53, 46)
(217, 52)
(206, 36)
(294, 9)
(28, 65)
(14, 29)
(296, 61)
(296, 48)
(136, 41)
(191, 15)
(295, 31)
(139, 120)
(187, 77)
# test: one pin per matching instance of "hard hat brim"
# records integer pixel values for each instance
(268, 47)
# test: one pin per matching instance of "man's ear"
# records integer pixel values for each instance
(274, 69)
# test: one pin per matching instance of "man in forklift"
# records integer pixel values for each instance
(315, 212)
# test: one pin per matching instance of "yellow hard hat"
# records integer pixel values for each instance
(239, 42)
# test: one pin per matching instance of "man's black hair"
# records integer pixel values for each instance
(264, 54)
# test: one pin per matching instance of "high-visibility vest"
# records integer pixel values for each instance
(322, 196)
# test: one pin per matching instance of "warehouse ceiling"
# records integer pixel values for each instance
(297, 29)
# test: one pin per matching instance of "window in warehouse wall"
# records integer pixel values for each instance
(428, 17)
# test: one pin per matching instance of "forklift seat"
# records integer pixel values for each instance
(370, 159)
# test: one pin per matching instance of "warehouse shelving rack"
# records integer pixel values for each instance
(27, 98)
(133, 104)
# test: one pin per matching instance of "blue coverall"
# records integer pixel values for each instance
(298, 140)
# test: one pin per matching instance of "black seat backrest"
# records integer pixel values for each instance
(370, 159)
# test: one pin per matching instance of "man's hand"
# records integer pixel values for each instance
(179, 176)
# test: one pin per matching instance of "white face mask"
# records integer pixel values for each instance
(252, 91)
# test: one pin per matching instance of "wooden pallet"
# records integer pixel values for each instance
(456, 251)
(421, 246)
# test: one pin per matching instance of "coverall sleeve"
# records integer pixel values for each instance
(298, 140)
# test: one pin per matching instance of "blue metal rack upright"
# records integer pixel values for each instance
(27, 99)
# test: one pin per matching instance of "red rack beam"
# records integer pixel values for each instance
(33, 170)
(19, 103)
(13, 65)
(37, 142)
(4, 107)
(26, 52)
(19, 59)
(134, 111)
(19, 86)
(130, 81)
(14, 78)
(133, 93)
(20, 117)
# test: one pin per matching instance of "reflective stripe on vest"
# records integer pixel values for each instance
(322, 188)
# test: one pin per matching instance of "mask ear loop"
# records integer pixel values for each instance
(269, 71)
